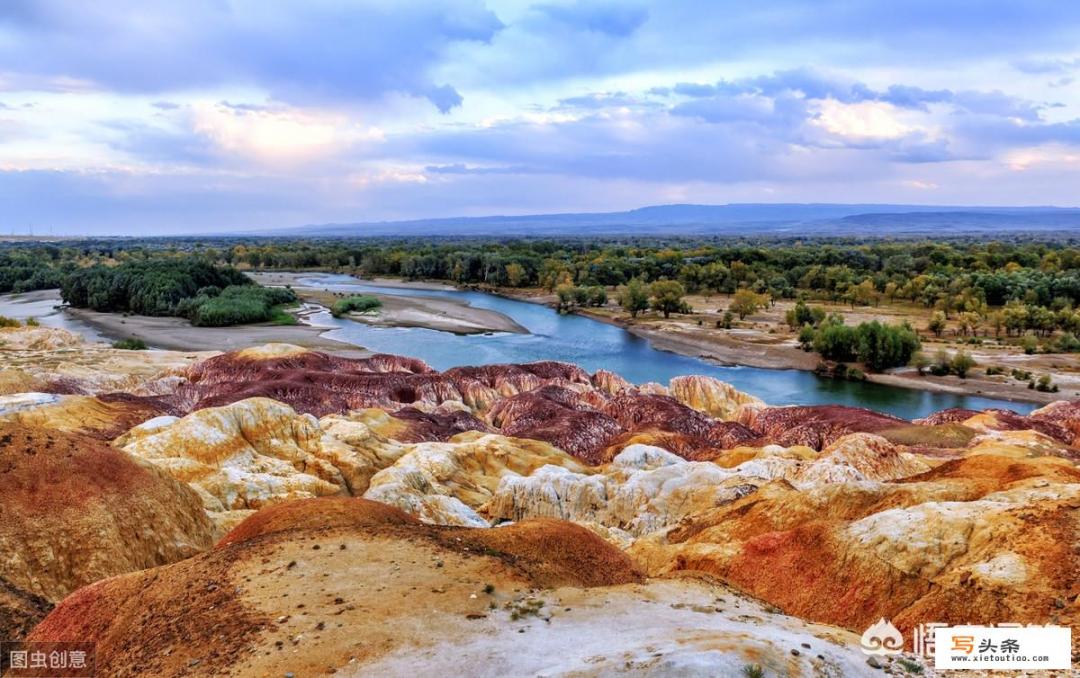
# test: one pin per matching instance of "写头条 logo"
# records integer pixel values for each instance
(882, 638)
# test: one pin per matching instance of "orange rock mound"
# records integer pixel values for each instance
(319, 582)
(74, 510)
(975, 540)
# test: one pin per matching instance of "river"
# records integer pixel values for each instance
(595, 345)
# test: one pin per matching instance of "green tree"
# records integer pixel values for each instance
(880, 346)
(516, 276)
(937, 323)
(961, 363)
(920, 361)
(633, 297)
(836, 341)
(746, 303)
(667, 297)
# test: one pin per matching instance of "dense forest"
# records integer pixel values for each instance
(189, 287)
(1013, 287)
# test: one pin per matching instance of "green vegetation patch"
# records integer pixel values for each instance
(359, 304)
(132, 344)
(939, 435)
(240, 305)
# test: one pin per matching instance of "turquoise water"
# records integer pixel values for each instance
(594, 345)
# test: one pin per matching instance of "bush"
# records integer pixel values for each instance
(132, 344)
(239, 305)
(1067, 343)
(920, 362)
(1045, 384)
(961, 364)
(1020, 375)
(994, 370)
(32, 322)
(8, 322)
(835, 341)
(360, 304)
(880, 347)
(753, 671)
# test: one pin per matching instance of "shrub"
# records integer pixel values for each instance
(32, 322)
(1045, 384)
(961, 363)
(595, 296)
(238, 305)
(920, 362)
(360, 304)
(753, 671)
(994, 370)
(835, 341)
(8, 322)
(1020, 375)
(1066, 343)
(132, 344)
(881, 346)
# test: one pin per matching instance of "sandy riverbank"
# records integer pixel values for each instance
(435, 313)
(178, 334)
(757, 348)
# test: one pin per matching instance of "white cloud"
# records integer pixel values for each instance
(278, 134)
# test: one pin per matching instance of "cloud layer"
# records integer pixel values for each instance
(221, 114)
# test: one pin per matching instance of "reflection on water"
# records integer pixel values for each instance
(594, 345)
(42, 305)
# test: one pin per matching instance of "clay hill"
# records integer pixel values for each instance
(280, 511)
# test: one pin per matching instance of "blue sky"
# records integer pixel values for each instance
(128, 116)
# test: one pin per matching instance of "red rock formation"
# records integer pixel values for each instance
(556, 415)
(814, 426)
(1063, 413)
(637, 412)
(103, 417)
(952, 415)
(431, 426)
(971, 541)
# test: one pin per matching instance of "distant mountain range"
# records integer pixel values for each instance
(732, 219)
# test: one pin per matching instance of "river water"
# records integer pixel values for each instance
(595, 345)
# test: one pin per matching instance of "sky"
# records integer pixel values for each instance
(153, 117)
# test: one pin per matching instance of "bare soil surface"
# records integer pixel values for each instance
(178, 334)
(434, 313)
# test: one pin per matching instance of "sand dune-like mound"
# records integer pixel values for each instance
(75, 511)
(859, 456)
(293, 598)
(331, 512)
(103, 417)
